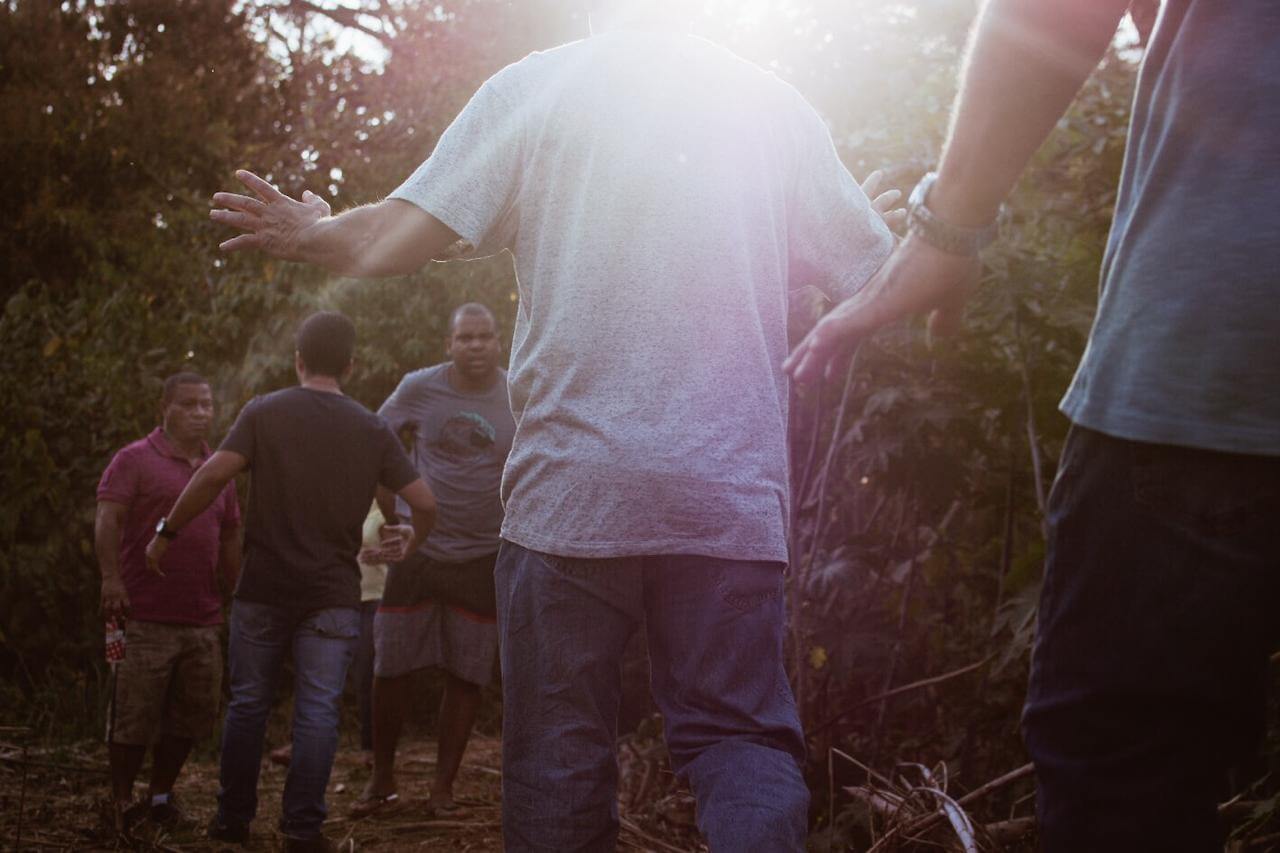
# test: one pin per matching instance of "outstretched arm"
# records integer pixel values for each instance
(1027, 60)
(201, 491)
(391, 237)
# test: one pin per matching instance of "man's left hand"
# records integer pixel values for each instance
(155, 552)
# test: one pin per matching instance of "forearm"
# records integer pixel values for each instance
(201, 491)
(1026, 62)
(106, 545)
(389, 238)
(423, 520)
(386, 501)
(422, 509)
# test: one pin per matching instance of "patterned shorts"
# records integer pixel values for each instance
(169, 683)
(422, 622)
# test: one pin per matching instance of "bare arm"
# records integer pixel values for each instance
(1026, 63)
(1027, 60)
(391, 237)
(201, 491)
(422, 508)
(386, 500)
(107, 522)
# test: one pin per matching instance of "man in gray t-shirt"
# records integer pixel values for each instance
(1159, 608)
(661, 198)
(437, 607)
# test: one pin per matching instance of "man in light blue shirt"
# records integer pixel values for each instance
(1162, 585)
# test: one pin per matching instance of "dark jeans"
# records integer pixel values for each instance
(1160, 608)
(715, 646)
(362, 672)
(321, 643)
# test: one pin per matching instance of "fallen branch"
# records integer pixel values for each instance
(923, 824)
(50, 765)
(426, 826)
(905, 688)
(1010, 831)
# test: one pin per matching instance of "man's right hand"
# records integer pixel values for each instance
(915, 279)
(273, 222)
(115, 601)
(394, 543)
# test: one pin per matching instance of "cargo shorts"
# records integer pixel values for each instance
(169, 683)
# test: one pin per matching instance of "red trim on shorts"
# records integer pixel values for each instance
(431, 602)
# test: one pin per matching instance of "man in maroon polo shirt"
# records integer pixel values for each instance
(166, 691)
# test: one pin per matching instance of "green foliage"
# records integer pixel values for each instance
(918, 534)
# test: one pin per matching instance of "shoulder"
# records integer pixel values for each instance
(415, 383)
(526, 74)
(424, 377)
(133, 450)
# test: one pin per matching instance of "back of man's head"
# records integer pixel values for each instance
(326, 341)
(176, 380)
(606, 14)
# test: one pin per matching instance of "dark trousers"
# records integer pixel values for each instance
(715, 647)
(1160, 608)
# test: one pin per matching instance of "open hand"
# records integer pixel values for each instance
(272, 222)
(916, 278)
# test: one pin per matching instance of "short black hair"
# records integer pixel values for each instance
(326, 341)
(184, 377)
(470, 309)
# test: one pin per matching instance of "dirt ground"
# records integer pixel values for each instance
(54, 799)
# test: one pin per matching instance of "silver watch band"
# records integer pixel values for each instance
(937, 232)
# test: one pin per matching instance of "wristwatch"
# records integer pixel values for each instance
(937, 232)
(164, 530)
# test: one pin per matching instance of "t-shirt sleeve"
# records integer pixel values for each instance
(119, 483)
(396, 470)
(397, 410)
(836, 239)
(243, 437)
(470, 180)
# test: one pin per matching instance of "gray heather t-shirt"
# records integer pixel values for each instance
(460, 446)
(1186, 345)
(660, 197)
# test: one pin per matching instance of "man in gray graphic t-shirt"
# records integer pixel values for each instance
(438, 605)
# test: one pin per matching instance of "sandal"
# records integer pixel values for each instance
(442, 812)
(372, 804)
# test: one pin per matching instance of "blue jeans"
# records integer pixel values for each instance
(322, 643)
(715, 646)
(1157, 618)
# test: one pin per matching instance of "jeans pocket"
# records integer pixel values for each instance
(747, 586)
(1213, 494)
(339, 623)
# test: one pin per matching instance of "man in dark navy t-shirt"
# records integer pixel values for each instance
(316, 458)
